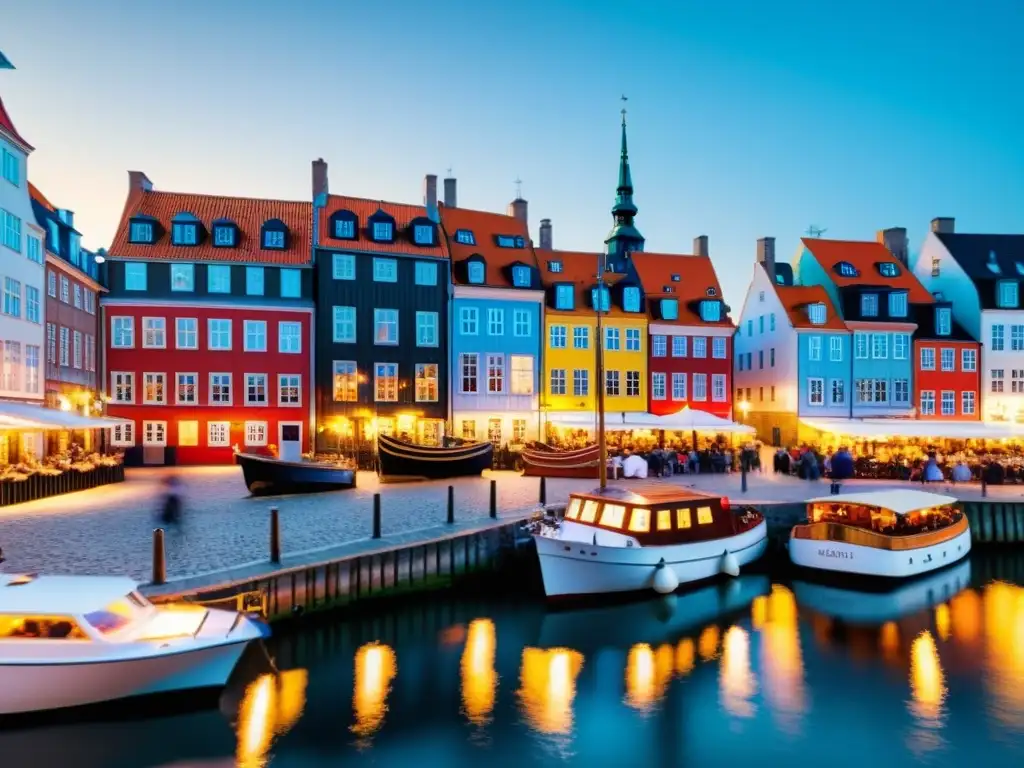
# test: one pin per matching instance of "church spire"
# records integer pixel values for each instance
(624, 192)
(624, 237)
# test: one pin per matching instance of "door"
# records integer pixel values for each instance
(776, 437)
(289, 440)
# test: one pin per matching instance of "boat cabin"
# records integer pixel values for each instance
(658, 515)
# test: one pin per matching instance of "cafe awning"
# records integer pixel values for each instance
(19, 416)
(880, 429)
(686, 420)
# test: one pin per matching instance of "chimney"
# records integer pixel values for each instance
(766, 255)
(518, 209)
(944, 225)
(895, 240)
(449, 193)
(139, 182)
(700, 245)
(430, 196)
(320, 186)
(546, 241)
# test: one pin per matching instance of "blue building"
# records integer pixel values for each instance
(496, 323)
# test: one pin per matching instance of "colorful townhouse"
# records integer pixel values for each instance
(689, 332)
(382, 293)
(792, 353)
(497, 321)
(208, 326)
(980, 277)
(947, 380)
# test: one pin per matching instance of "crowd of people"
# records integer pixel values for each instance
(658, 461)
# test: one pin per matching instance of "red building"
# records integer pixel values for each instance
(208, 326)
(947, 363)
(690, 333)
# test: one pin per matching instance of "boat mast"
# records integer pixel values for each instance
(602, 446)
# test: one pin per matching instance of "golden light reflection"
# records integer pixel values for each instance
(782, 660)
(737, 684)
(889, 641)
(686, 655)
(942, 621)
(375, 668)
(1004, 636)
(707, 643)
(479, 679)
(547, 687)
(759, 611)
(648, 675)
(271, 706)
(966, 613)
(927, 692)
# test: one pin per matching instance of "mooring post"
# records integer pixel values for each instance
(494, 499)
(743, 477)
(275, 535)
(451, 505)
(159, 558)
(543, 492)
(984, 485)
(376, 515)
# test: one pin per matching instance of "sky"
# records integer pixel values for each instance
(746, 118)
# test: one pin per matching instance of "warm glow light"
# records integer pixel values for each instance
(685, 657)
(1004, 636)
(927, 692)
(375, 668)
(547, 687)
(65, 404)
(479, 680)
(736, 682)
(966, 613)
(174, 621)
(745, 406)
(889, 641)
(707, 644)
(782, 659)
(942, 621)
(758, 611)
(271, 706)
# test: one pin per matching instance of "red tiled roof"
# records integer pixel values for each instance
(696, 276)
(864, 256)
(796, 298)
(248, 214)
(39, 197)
(580, 269)
(7, 127)
(402, 213)
(485, 227)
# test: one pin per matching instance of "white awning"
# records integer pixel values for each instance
(686, 420)
(883, 428)
(18, 416)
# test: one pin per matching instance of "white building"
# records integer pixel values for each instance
(982, 275)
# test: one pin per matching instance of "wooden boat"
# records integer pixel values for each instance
(541, 460)
(266, 475)
(645, 537)
(886, 534)
(399, 460)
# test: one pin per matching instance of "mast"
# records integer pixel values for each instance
(602, 445)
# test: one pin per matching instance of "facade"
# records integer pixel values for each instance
(946, 358)
(981, 276)
(208, 326)
(497, 321)
(690, 335)
(382, 292)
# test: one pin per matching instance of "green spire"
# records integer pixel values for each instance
(624, 236)
(624, 193)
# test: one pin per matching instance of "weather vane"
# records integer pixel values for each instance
(519, 188)
(813, 231)
(624, 98)
(449, 173)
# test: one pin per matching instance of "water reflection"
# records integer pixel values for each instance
(707, 644)
(648, 674)
(685, 657)
(547, 687)
(942, 621)
(271, 706)
(1004, 651)
(479, 678)
(889, 641)
(927, 693)
(375, 668)
(737, 684)
(777, 620)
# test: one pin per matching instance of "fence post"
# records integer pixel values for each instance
(275, 535)
(451, 505)
(543, 491)
(376, 515)
(159, 558)
(494, 499)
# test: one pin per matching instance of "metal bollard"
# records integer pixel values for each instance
(275, 535)
(494, 499)
(376, 515)
(543, 492)
(984, 485)
(743, 478)
(451, 505)
(159, 558)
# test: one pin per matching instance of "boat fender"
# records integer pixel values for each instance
(665, 579)
(730, 565)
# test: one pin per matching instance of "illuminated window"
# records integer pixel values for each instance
(704, 515)
(664, 519)
(612, 515)
(683, 518)
(589, 512)
(640, 520)
(574, 508)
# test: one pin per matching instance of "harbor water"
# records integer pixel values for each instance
(763, 669)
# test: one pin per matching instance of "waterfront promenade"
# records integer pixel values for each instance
(109, 529)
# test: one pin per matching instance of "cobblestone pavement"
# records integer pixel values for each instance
(109, 530)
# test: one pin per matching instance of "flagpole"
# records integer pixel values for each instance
(602, 450)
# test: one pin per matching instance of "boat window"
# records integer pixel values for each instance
(704, 516)
(640, 520)
(683, 518)
(612, 515)
(113, 617)
(664, 519)
(40, 628)
(574, 509)
(589, 512)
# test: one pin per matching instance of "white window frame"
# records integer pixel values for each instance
(381, 320)
(426, 272)
(658, 385)
(219, 442)
(162, 376)
(719, 390)
(679, 346)
(385, 270)
(927, 403)
(947, 396)
(249, 402)
(522, 323)
(927, 354)
(965, 396)
(679, 392)
(700, 387)
(971, 355)
(162, 331)
(211, 334)
(286, 380)
(118, 436)
(816, 391)
(495, 321)
(177, 388)
(146, 441)
(210, 387)
(338, 321)
(178, 332)
(835, 349)
(659, 345)
(431, 384)
(252, 430)
(343, 266)
(285, 330)
(718, 347)
(122, 380)
(947, 359)
(427, 321)
(377, 379)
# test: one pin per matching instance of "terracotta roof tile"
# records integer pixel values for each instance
(580, 269)
(796, 298)
(864, 256)
(248, 214)
(39, 197)
(402, 213)
(7, 128)
(696, 275)
(486, 227)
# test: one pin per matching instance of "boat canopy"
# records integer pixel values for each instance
(31, 593)
(686, 420)
(900, 502)
(880, 429)
(20, 416)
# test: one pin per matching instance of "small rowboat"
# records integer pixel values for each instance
(401, 461)
(265, 475)
(541, 460)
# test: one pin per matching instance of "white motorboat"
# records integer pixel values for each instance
(645, 537)
(68, 641)
(888, 534)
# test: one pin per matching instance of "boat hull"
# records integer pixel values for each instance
(404, 461)
(264, 476)
(545, 462)
(575, 569)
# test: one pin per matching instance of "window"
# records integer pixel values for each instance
(879, 346)
(837, 395)
(564, 297)
(12, 297)
(385, 270)
(558, 381)
(669, 309)
(760, 323)
(289, 389)
(426, 329)
(718, 388)
(476, 272)
(154, 388)
(218, 434)
(32, 368)
(522, 324)
(385, 382)
(122, 332)
(426, 273)
(944, 321)
(385, 326)
(468, 429)
(423, 234)
(255, 389)
(291, 283)
(659, 346)
(345, 325)
(254, 280)
(154, 433)
(869, 304)
(185, 333)
(700, 346)
(11, 168)
(343, 266)
(611, 383)
(947, 359)
(182, 275)
(51, 283)
(948, 402)
(678, 386)
(220, 389)
(888, 269)
(936, 265)
(123, 434)
(998, 338)
(1017, 337)
(154, 332)
(65, 290)
(289, 337)
(846, 269)
(600, 299)
(814, 347)
(11, 230)
(34, 250)
(494, 431)
(897, 303)
(469, 321)
(274, 238)
(557, 336)
(678, 346)
(256, 431)
(345, 229)
(632, 339)
(255, 335)
(997, 376)
(967, 403)
(518, 431)
(140, 232)
(521, 277)
(580, 382)
(64, 346)
(700, 386)
(76, 347)
(468, 366)
(631, 298)
(860, 345)
(218, 278)
(928, 403)
(495, 322)
(187, 390)
(134, 275)
(711, 311)
(969, 360)
(383, 231)
(815, 391)
(495, 374)
(611, 339)
(90, 302)
(465, 237)
(704, 516)
(12, 365)
(927, 359)
(900, 391)
(224, 236)
(522, 374)
(718, 348)
(78, 296)
(346, 381)
(218, 334)
(900, 346)
(835, 348)
(1008, 294)
(183, 234)
(771, 320)
(426, 382)
(632, 383)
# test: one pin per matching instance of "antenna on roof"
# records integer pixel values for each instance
(813, 231)
(519, 188)
(449, 172)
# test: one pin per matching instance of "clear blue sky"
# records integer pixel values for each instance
(747, 118)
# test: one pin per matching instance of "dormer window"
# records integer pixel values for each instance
(710, 291)
(669, 309)
(565, 297)
(521, 277)
(141, 232)
(510, 241)
(183, 234)
(1020, 267)
(898, 304)
(600, 299)
(274, 235)
(888, 269)
(1007, 294)
(383, 231)
(344, 225)
(668, 289)
(780, 280)
(273, 239)
(869, 305)
(993, 263)
(816, 313)
(224, 235)
(846, 269)
(476, 272)
(465, 237)
(423, 234)
(631, 298)
(554, 266)
(943, 321)
(711, 311)
(676, 278)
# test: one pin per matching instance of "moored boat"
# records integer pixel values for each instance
(885, 534)
(616, 540)
(265, 475)
(70, 641)
(541, 460)
(399, 460)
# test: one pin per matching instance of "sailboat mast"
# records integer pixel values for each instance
(602, 446)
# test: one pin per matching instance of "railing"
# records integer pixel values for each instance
(849, 534)
(39, 486)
